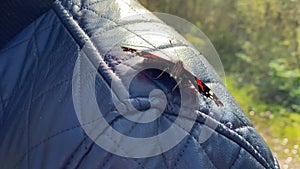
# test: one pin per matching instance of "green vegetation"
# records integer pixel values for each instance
(261, 36)
(279, 129)
(259, 45)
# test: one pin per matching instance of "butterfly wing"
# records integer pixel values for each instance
(200, 86)
(143, 54)
(206, 91)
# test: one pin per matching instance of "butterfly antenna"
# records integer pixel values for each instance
(173, 47)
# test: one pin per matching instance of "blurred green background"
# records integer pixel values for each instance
(259, 44)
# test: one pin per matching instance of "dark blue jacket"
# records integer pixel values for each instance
(50, 59)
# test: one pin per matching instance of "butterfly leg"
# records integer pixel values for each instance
(161, 73)
(176, 85)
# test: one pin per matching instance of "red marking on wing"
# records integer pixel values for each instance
(200, 84)
(207, 92)
(149, 55)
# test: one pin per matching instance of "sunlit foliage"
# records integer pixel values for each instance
(258, 41)
(259, 44)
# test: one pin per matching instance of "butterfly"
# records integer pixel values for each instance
(176, 70)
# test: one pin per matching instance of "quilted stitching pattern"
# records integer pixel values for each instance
(51, 45)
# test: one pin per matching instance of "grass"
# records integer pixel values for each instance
(279, 128)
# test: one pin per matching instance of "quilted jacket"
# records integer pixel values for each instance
(70, 47)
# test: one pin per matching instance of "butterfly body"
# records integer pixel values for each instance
(178, 72)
